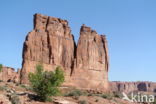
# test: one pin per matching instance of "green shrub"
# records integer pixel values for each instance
(23, 86)
(107, 96)
(154, 102)
(96, 100)
(1, 67)
(104, 96)
(75, 93)
(46, 84)
(17, 84)
(83, 102)
(116, 94)
(90, 94)
(2, 88)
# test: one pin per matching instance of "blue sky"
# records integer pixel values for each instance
(130, 27)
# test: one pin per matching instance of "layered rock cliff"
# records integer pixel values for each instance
(86, 65)
(92, 64)
(128, 87)
(51, 42)
(9, 75)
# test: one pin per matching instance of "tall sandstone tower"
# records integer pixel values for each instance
(85, 65)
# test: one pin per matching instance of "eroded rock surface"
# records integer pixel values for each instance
(128, 87)
(52, 43)
(92, 64)
(9, 75)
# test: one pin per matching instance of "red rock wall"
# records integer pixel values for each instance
(52, 43)
(92, 64)
(128, 87)
(9, 75)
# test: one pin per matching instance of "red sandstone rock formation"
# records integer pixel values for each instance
(9, 75)
(17, 76)
(91, 65)
(128, 87)
(52, 43)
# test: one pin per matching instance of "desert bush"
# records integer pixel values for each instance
(96, 100)
(2, 88)
(46, 84)
(90, 94)
(116, 94)
(17, 84)
(23, 86)
(1, 67)
(75, 93)
(154, 102)
(83, 102)
(107, 96)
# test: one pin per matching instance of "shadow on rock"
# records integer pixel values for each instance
(33, 97)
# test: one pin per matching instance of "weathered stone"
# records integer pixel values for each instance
(9, 75)
(17, 76)
(91, 65)
(52, 43)
(128, 87)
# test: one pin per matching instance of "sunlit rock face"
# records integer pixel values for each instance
(91, 65)
(9, 74)
(51, 42)
(85, 65)
(128, 87)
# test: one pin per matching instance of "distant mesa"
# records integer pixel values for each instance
(128, 87)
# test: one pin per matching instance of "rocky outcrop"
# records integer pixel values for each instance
(9, 75)
(128, 87)
(92, 64)
(17, 76)
(52, 43)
